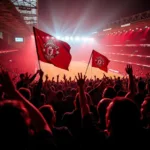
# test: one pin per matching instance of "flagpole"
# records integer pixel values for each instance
(88, 63)
(36, 48)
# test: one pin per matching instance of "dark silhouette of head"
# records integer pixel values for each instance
(121, 93)
(49, 114)
(77, 102)
(42, 99)
(22, 76)
(141, 85)
(145, 111)
(102, 108)
(122, 117)
(117, 87)
(14, 126)
(60, 95)
(26, 93)
(109, 92)
(73, 92)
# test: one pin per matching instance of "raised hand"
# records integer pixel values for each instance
(26, 76)
(80, 79)
(64, 77)
(129, 70)
(46, 76)
(41, 73)
(38, 71)
(52, 78)
(69, 78)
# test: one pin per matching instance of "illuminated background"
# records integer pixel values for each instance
(74, 21)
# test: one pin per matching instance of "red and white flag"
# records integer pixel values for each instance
(51, 50)
(99, 61)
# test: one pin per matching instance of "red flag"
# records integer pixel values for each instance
(99, 61)
(51, 50)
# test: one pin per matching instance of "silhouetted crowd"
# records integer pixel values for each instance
(41, 113)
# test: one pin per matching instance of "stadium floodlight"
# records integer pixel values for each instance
(83, 38)
(107, 29)
(77, 38)
(125, 25)
(62, 38)
(71, 38)
(91, 39)
(66, 38)
(94, 32)
(86, 39)
(58, 37)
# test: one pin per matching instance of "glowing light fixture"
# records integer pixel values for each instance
(125, 25)
(107, 29)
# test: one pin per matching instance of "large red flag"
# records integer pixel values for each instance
(51, 50)
(99, 61)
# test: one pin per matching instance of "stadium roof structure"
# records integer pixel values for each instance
(11, 21)
(28, 9)
(140, 20)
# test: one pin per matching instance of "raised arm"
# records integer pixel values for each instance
(37, 119)
(83, 101)
(32, 77)
(131, 83)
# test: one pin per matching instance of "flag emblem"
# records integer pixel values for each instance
(50, 50)
(99, 61)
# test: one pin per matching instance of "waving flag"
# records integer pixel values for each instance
(99, 61)
(53, 51)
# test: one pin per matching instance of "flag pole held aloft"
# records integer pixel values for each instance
(51, 50)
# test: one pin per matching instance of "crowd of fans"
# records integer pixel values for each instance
(74, 113)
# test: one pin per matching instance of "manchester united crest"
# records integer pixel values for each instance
(51, 50)
(99, 61)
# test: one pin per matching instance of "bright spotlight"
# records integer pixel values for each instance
(83, 38)
(58, 37)
(62, 38)
(66, 38)
(32, 36)
(91, 39)
(125, 25)
(71, 38)
(77, 38)
(107, 29)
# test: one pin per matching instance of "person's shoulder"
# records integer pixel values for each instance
(67, 114)
(62, 130)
